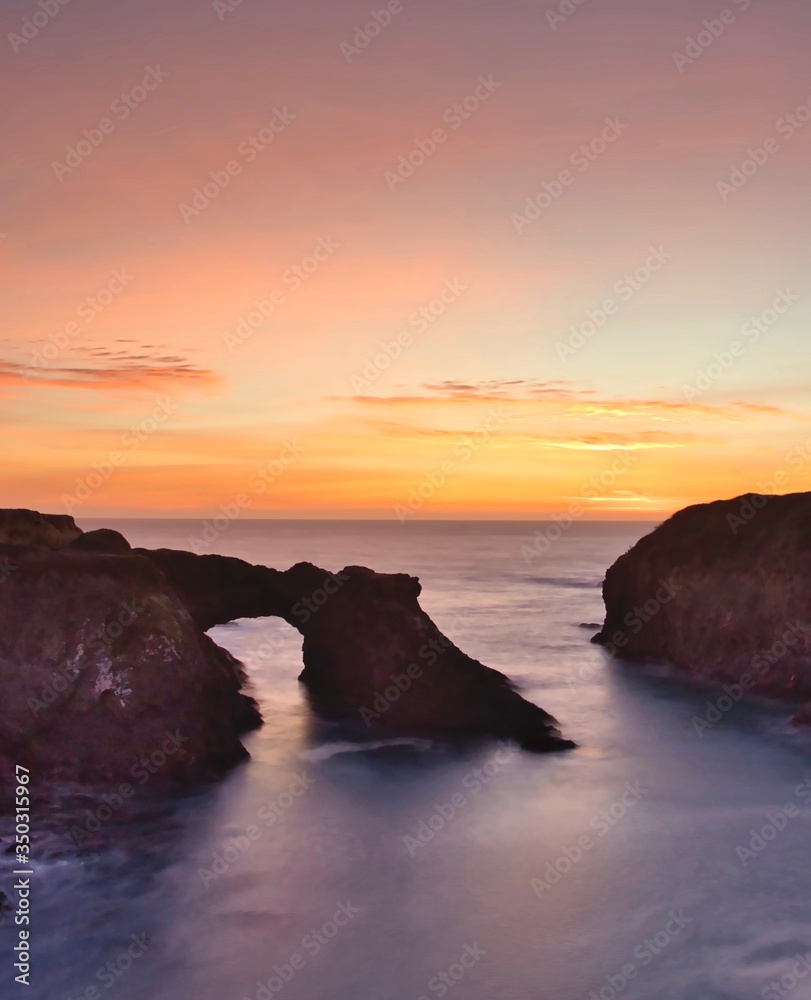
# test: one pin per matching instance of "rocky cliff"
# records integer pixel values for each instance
(100, 663)
(722, 590)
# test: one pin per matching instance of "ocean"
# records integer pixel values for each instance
(661, 859)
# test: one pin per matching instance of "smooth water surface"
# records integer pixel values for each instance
(408, 870)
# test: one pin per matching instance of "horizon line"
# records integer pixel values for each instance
(380, 520)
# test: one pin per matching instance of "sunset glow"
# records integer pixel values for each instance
(492, 259)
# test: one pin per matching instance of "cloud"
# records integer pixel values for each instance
(614, 442)
(121, 371)
(495, 390)
(670, 410)
(574, 402)
(498, 389)
(559, 416)
(607, 441)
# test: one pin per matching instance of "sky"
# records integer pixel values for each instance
(423, 259)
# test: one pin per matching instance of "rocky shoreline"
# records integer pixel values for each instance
(105, 660)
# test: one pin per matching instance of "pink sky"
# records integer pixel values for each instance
(414, 329)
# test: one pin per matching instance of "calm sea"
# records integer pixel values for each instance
(653, 862)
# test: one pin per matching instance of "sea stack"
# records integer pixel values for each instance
(723, 591)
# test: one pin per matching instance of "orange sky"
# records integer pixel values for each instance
(564, 298)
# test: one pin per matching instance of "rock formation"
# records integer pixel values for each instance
(372, 657)
(722, 591)
(105, 540)
(100, 663)
(29, 527)
(104, 656)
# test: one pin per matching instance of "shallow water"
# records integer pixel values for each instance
(405, 870)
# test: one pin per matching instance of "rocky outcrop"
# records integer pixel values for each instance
(29, 527)
(101, 664)
(104, 657)
(372, 657)
(218, 589)
(722, 590)
(102, 540)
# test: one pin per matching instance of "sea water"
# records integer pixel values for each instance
(661, 859)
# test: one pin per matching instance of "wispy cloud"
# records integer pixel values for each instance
(613, 442)
(499, 389)
(113, 370)
(574, 402)
(672, 410)
(600, 441)
(496, 390)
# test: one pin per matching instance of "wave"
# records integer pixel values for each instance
(328, 750)
(567, 582)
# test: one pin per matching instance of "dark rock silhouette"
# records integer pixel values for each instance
(372, 656)
(29, 527)
(722, 591)
(101, 664)
(102, 540)
(104, 657)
